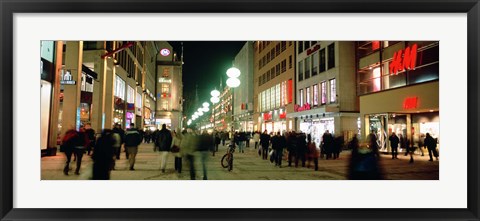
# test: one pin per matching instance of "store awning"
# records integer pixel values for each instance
(89, 72)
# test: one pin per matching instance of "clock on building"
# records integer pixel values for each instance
(165, 52)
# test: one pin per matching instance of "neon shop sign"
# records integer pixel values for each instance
(404, 60)
(304, 107)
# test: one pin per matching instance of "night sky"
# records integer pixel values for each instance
(205, 63)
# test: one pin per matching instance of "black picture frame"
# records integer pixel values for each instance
(9, 7)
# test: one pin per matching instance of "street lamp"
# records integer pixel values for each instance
(233, 73)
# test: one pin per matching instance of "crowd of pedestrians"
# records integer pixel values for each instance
(297, 149)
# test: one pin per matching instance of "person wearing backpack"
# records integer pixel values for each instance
(132, 139)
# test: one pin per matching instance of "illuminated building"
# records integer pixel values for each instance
(398, 86)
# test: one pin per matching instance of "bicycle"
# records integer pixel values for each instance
(227, 159)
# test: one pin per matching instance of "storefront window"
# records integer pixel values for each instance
(272, 97)
(315, 64)
(277, 97)
(284, 93)
(307, 68)
(130, 95)
(267, 95)
(331, 56)
(164, 105)
(165, 88)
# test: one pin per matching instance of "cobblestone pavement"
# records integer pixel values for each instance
(247, 166)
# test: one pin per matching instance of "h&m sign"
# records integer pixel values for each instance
(404, 60)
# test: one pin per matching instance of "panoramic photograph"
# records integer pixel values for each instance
(239, 110)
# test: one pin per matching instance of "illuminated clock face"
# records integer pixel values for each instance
(165, 52)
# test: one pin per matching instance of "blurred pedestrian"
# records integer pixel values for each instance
(204, 145)
(176, 150)
(373, 143)
(338, 143)
(72, 144)
(133, 138)
(90, 133)
(103, 156)
(291, 147)
(394, 141)
(431, 145)
(421, 144)
(403, 144)
(301, 148)
(163, 145)
(364, 163)
(313, 153)
(256, 138)
(242, 139)
(327, 144)
(118, 146)
(282, 144)
(265, 142)
(188, 147)
(216, 140)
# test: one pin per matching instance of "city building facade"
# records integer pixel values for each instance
(274, 86)
(243, 95)
(398, 86)
(169, 88)
(325, 89)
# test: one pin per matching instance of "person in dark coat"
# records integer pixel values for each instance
(394, 141)
(312, 152)
(291, 147)
(90, 133)
(163, 145)
(282, 144)
(327, 144)
(372, 143)
(118, 130)
(337, 146)
(74, 142)
(103, 156)
(265, 142)
(301, 149)
(133, 138)
(431, 145)
(364, 163)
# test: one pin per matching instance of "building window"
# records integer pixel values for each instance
(260, 63)
(284, 65)
(307, 44)
(164, 104)
(277, 96)
(261, 47)
(277, 49)
(289, 43)
(307, 91)
(267, 95)
(165, 88)
(130, 95)
(300, 47)
(284, 93)
(119, 87)
(284, 45)
(333, 91)
(315, 64)
(277, 69)
(314, 42)
(331, 56)
(301, 97)
(324, 92)
(289, 62)
(273, 71)
(300, 71)
(268, 76)
(272, 97)
(264, 76)
(322, 61)
(307, 68)
(268, 57)
(259, 80)
(315, 94)
(272, 53)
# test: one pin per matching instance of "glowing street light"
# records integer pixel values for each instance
(206, 104)
(233, 82)
(233, 72)
(214, 100)
(215, 93)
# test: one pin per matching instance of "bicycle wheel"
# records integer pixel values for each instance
(225, 160)
(230, 163)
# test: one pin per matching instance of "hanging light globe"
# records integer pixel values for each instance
(206, 104)
(200, 113)
(233, 82)
(215, 93)
(205, 109)
(214, 100)
(233, 72)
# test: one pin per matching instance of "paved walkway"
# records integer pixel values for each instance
(247, 166)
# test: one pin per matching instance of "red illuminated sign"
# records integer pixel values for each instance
(290, 91)
(283, 115)
(311, 50)
(267, 116)
(299, 108)
(404, 60)
(375, 45)
(410, 103)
